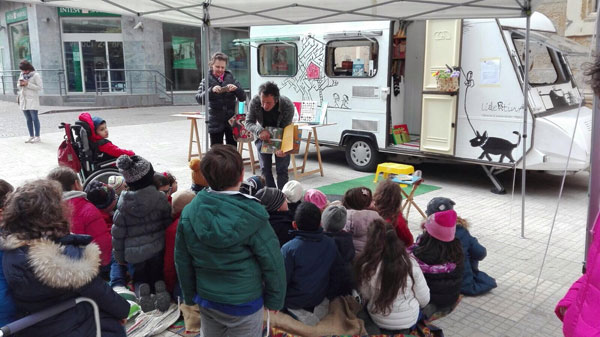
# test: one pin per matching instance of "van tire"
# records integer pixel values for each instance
(362, 155)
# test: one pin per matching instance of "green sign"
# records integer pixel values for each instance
(63, 11)
(184, 52)
(16, 15)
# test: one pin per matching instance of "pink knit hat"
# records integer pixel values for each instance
(442, 225)
(316, 197)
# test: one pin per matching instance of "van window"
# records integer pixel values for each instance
(351, 58)
(277, 59)
(545, 67)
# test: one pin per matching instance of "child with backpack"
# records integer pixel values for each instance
(390, 280)
(143, 213)
(388, 202)
(99, 136)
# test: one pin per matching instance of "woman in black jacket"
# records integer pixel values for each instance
(45, 265)
(223, 89)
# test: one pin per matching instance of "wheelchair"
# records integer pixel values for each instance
(95, 165)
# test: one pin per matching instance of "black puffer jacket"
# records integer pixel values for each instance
(139, 225)
(43, 273)
(221, 107)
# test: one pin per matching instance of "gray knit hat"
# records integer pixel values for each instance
(137, 171)
(271, 197)
(439, 204)
(334, 218)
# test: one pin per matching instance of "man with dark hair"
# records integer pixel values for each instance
(226, 253)
(269, 108)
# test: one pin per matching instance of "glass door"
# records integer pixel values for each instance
(94, 59)
(73, 67)
(117, 62)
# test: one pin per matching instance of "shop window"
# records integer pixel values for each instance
(277, 59)
(351, 58)
(183, 62)
(19, 37)
(91, 25)
(239, 56)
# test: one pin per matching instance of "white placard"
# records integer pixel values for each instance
(490, 71)
(308, 111)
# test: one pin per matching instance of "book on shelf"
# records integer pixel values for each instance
(285, 139)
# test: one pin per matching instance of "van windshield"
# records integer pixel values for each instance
(547, 65)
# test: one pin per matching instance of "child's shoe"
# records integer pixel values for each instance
(145, 299)
(125, 293)
(162, 297)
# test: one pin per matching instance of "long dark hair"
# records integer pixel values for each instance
(383, 246)
(357, 198)
(433, 251)
(388, 198)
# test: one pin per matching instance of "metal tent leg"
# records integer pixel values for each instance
(491, 173)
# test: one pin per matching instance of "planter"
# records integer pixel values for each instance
(449, 84)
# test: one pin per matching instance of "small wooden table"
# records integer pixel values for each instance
(193, 117)
(312, 130)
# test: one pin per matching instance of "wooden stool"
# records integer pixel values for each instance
(392, 168)
(250, 160)
(194, 138)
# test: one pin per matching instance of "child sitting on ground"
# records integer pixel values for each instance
(475, 282)
(441, 259)
(388, 201)
(252, 185)
(390, 280)
(99, 136)
(279, 216)
(333, 220)
(357, 202)
(198, 181)
(45, 264)
(7, 305)
(118, 184)
(104, 198)
(143, 213)
(180, 200)
(85, 217)
(294, 194)
(312, 266)
(161, 182)
(316, 197)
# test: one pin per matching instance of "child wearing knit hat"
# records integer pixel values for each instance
(440, 256)
(198, 181)
(333, 221)
(294, 193)
(117, 183)
(252, 185)
(316, 197)
(100, 137)
(143, 213)
(279, 216)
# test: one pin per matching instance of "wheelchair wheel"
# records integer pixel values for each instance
(102, 175)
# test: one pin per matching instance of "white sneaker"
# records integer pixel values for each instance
(36, 140)
(30, 140)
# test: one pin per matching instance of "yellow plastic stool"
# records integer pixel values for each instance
(392, 168)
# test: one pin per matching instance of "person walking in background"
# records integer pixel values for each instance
(223, 89)
(30, 85)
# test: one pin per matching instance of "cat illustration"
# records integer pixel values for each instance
(494, 145)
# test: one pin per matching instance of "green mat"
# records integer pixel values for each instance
(341, 187)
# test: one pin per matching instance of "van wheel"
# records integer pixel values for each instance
(362, 155)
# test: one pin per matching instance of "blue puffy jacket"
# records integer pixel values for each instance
(7, 305)
(475, 282)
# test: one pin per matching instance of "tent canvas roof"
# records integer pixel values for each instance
(229, 13)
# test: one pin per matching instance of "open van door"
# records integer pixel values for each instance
(438, 125)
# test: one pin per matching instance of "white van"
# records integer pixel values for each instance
(377, 75)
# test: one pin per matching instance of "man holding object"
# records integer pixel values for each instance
(268, 108)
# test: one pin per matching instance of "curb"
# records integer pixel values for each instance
(109, 108)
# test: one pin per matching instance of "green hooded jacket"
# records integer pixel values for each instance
(227, 252)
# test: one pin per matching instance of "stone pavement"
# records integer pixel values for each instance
(509, 310)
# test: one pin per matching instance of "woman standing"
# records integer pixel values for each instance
(30, 85)
(223, 90)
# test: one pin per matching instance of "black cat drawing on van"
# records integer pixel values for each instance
(496, 146)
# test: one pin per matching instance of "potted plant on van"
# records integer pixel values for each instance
(447, 80)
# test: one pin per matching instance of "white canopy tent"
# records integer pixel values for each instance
(235, 13)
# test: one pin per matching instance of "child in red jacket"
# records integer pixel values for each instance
(180, 200)
(100, 134)
(388, 199)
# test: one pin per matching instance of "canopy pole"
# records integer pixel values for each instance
(594, 191)
(525, 111)
(206, 68)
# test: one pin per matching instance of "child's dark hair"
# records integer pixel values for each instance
(433, 251)
(269, 89)
(308, 217)
(159, 180)
(65, 176)
(385, 248)
(5, 189)
(357, 198)
(388, 198)
(35, 211)
(462, 223)
(169, 176)
(222, 167)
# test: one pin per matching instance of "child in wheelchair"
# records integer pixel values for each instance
(99, 136)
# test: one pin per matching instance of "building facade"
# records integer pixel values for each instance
(93, 58)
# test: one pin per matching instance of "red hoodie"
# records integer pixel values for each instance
(109, 148)
(402, 230)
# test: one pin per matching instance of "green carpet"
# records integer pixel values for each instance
(341, 187)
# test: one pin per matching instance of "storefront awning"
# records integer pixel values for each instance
(232, 13)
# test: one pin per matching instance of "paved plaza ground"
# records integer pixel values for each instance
(509, 310)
